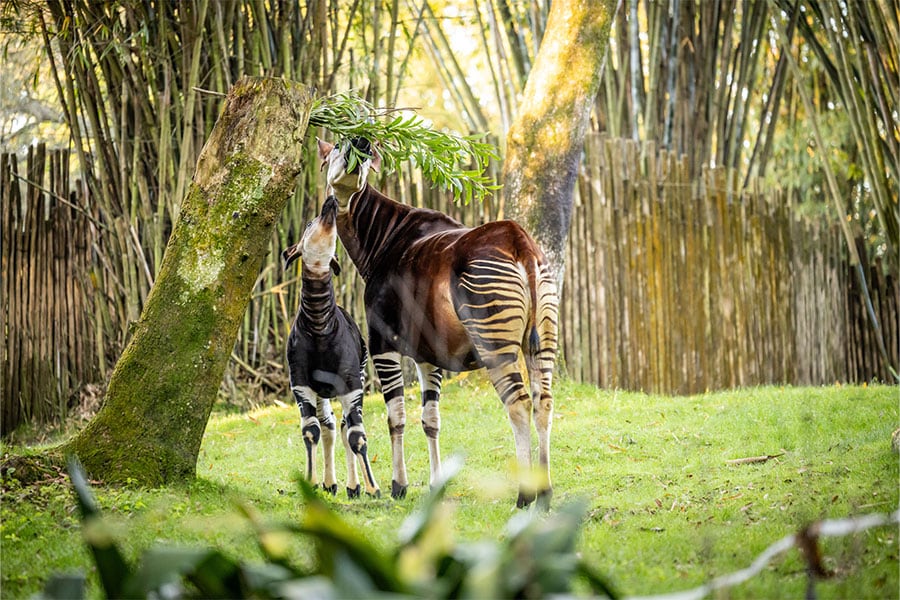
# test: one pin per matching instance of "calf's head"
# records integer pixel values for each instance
(343, 173)
(317, 246)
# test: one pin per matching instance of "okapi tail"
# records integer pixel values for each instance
(534, 340)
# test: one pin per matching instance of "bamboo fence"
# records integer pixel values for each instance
(49, 345)
(672, 284)
(681, 286)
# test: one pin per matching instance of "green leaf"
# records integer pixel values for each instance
(64, 586)
(218, 576)
(597, 582)
(337, 541)
(111, 565)
(318, 587)
(86, 502)
(212, 573)
(414, 526)
(267, 578)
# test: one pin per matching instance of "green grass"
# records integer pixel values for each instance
(666, 510)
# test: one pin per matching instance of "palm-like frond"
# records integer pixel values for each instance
(453, 162)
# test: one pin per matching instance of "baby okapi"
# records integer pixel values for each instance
(327, 358)
(450, 297)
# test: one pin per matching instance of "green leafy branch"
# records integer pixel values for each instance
(452, 162)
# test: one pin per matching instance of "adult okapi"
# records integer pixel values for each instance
(450, 297)
(327, 358)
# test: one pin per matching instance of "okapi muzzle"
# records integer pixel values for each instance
(318, 244)
(327, 358)
(336, 163)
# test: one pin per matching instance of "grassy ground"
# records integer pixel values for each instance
(666, 510)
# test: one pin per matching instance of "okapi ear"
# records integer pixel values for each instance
(324, 150)
(291, 253)
(335, 266)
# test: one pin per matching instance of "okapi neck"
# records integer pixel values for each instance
(317, 303)
(367, 225)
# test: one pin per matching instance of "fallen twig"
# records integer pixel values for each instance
(808, 535)
(753, 459)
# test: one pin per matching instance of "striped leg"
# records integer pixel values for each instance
(387, 366)
(353, 487)
(430, 378)
(510, 385)
(542, 401)
(356, 444)
(494, 301)
(541, 362)
(327, 424)
(310, 428)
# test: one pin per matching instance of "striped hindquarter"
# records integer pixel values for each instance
(509, 309)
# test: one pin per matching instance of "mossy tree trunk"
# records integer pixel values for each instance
(543, 147)
(164, 385)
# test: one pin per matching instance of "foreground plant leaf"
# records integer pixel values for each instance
(342, 551)
(111, 565)
(536, 558)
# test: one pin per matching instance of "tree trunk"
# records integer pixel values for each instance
(164, 385)
(543, 147)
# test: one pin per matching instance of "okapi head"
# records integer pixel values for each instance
(336, 161)
(317, 246)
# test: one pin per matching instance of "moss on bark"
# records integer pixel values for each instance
(164, 385)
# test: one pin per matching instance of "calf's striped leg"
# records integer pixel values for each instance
(327, 424)
(353, 487)
(387, 366)
(311, 430)
(430, 378)
(354, 435)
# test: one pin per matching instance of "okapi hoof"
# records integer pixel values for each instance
(331, 489)
(524, 499)
(376, 494)
(398, 492)
(543, 499)
(353, 492)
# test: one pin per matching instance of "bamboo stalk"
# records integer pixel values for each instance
(458, 77)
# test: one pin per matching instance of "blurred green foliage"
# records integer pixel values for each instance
(535, 559)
